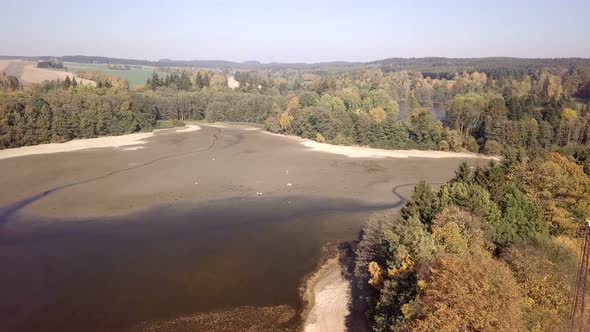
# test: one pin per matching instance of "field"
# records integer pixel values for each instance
(28, 73)
(135, 76)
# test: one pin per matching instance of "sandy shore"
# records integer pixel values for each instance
(88, 143)
(328, 295)
(366, 152)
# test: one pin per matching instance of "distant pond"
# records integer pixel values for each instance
(437, 108)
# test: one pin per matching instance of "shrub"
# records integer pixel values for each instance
(163, 124)
(493, 148)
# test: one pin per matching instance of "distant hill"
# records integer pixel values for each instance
(208, 64)
(436, 64)
(428, 64)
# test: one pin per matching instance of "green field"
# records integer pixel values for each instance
(135, 76)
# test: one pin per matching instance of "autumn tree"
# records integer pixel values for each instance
(474, 294)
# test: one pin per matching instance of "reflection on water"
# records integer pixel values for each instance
(111, 274)
(438, 109)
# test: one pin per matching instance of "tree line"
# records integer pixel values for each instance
(493, 249)
(59, 111)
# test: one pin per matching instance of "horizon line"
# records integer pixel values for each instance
(299, 62)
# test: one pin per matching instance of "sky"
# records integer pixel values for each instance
(295, 31)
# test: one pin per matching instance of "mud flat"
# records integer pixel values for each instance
(193, 226)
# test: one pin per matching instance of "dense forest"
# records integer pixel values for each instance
(493, 249)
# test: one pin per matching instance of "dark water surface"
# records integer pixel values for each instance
(438, 109)
(107, 275)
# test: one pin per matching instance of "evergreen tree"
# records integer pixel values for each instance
(184, 82)
(206, 80)
(423, 204)
(463, 173)
(199, 81)
(155, 81)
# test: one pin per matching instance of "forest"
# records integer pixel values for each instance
(493, 249)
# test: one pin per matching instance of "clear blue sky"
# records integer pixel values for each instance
(295, 31)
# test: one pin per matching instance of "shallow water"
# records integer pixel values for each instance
(99, 275)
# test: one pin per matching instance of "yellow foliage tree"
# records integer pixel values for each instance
(471, 295)
(569, 114)
(545, 275)
(563, 190)
(320, 138)
(218, 80)
(293, 104)
(376, 274)
(377, 114)
(285, 120)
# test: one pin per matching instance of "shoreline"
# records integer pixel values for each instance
(134, 140)
(355, 151)
(326, 296)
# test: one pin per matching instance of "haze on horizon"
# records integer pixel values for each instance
(302, 31)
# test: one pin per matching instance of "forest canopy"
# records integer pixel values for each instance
(493, 249)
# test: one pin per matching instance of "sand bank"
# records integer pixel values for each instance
(328, 295)
(366, 152)
(188, 129)
(88, 143)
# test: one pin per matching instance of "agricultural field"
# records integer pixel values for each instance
(136, 76)
(28, 73)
